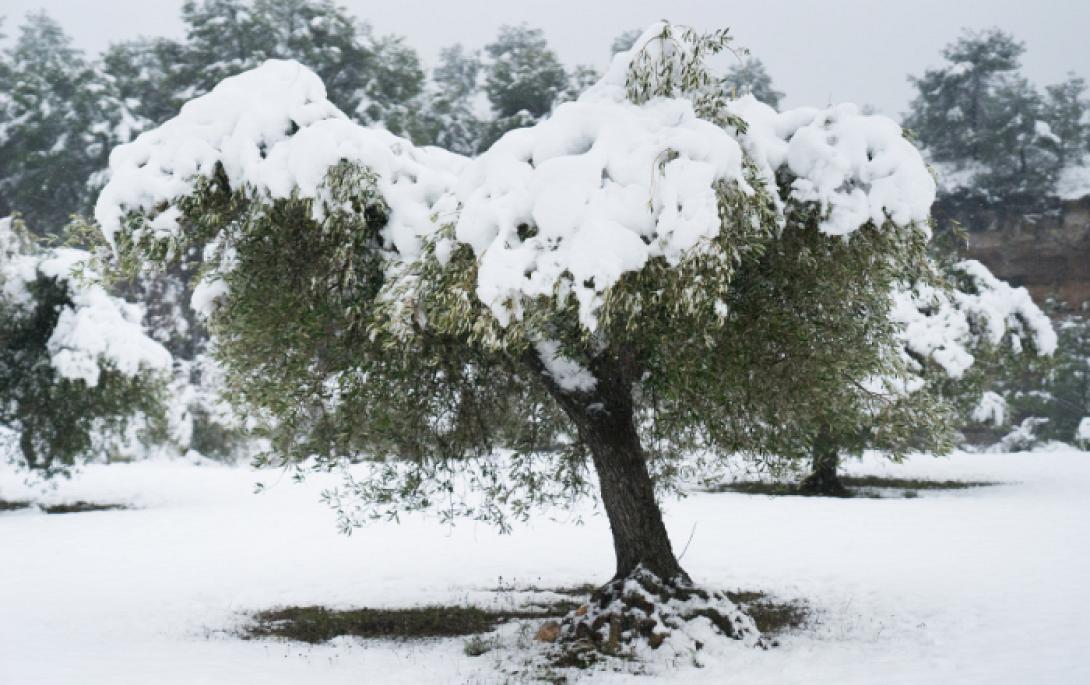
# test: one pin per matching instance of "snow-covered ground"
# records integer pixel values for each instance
(989, 585)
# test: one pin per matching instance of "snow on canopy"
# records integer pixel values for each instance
(96, 329)
(943, 327)
(857, 167)
(606, 186)
(594, 191)
(274, 133)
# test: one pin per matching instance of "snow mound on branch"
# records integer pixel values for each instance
(933, 328)
(274, 132)
(100, 329)
(856, 167)
(991, 408)
(944, 326)
(1001, 308)
(1082, 433)
(589, 194)
(565, 372)
(96, 329)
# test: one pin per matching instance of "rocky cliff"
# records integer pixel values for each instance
(1048, 252)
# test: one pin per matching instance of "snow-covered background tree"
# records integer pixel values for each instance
(644, 266)
(59, 118)
(749, 77)
(957, 329)
(993, 136)
(79, 379)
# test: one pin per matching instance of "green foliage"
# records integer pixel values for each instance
(675, 64)
(813, 316)
(1055, 391)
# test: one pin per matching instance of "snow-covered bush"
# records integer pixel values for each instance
(77, 372)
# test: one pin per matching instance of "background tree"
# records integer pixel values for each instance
(76, 370)
(624, 41)
(749, 77)
(448, 107)
(149, 75)
(388, 300)
(953, 111)
(1067, 114)
(959, 330)
(992, 134)
(523, 78)
(61, 118)
(1052, 395)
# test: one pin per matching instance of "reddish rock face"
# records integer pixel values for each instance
(1048, 253)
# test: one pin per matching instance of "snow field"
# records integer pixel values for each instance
(984, 585)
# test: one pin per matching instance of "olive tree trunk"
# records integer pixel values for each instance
(605, 420)
(823, 478)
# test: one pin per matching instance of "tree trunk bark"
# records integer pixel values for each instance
(605, 420)
(823, 478)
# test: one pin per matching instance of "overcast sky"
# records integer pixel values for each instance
(817, 51)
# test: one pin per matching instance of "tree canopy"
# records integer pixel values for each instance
(649, 253)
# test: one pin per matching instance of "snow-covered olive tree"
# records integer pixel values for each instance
(641, 273)
(76, 368)
(955, 328)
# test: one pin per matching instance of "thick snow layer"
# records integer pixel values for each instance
(96, 329)
(857, 167)
(945, 327)
(99, 328)
(569, 205)
(933, 328)
(273, 131)
(974, 586)
(1000, 308)
(606, 186)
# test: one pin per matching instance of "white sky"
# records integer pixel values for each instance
(817, 51)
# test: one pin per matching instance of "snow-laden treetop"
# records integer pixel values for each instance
(597, 190)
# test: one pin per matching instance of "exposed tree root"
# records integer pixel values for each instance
(642, 611)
